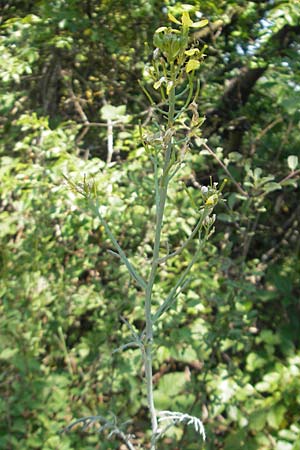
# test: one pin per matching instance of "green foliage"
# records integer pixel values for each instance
(229, 351)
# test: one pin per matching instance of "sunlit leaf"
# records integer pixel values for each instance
(110, 112)
(272, 186)
(200, 24)
(292, 162)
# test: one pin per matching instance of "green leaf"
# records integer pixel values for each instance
(8, 353)
(255, 361)
(193, 64)
(235, 156)
(169, 388)
(258, 420)
(226, 217)
(276, 415)
(272, 186)
(172, 383)
(235, 440)
(292, 162)
(110, 112)
(296, 446)
(284, 445)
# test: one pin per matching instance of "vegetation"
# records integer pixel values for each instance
(227, 351)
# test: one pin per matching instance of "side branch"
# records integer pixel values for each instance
(181, 283)
(188, 240)
(237, 185)
(108, 425)
(117, 246)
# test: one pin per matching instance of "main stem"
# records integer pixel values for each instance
(162, 196)
(148, 301)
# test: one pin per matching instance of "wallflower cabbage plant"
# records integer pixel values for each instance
(167, 140)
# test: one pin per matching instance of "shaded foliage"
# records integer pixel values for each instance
(229, 352)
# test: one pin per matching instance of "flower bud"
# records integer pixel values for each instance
(170, 42)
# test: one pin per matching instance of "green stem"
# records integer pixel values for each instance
(161, 197)
(172, 98)
(148, 301)
(147, 354)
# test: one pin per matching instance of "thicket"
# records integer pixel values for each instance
(70, 104)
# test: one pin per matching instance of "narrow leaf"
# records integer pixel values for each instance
(200, 24)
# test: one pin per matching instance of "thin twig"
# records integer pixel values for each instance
(77, 104)
(236, 183)
(179, 286)
(263, 132)
(110, 141)
(90, 420)
(120, 251)
(293, 174)
(188, 240)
